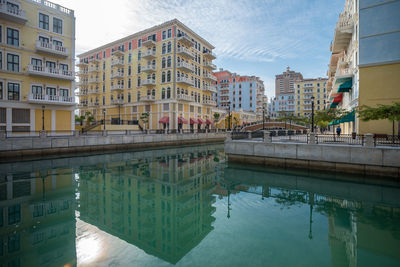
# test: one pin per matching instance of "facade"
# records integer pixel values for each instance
(360, 71)
(164, 72)
(239, 92)
(37, 48)
(284, 83)
(280, 104)
(306, 89)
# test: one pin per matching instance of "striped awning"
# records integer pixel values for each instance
(345, 87)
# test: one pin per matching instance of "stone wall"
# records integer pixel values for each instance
(384, 161)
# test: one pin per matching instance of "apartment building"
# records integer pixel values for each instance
(164, 72)
(284, 103)
(239, 92)
(304, 91)
(364, 66)
(284, 83)
(37, 47)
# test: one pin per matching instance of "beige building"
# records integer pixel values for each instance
(305, 90)
(164, 73)
(37, 48)
(284, 83)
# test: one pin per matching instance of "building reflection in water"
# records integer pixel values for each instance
(352, 210)
(162, 204)
(37, 218)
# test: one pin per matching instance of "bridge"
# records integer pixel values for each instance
(273, 125)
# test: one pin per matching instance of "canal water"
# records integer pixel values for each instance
(189, 207)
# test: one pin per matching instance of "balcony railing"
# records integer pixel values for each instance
(209, 54)
(81, 93)
(117, 102)
(210, 77)
(185, 52)
(117, 62)
(149, 82)
(149, 53)
(148, 98)
(12, 13)
(185, 97)
(186, 40)
(82, 105)
(149, 68)
(184, 80)
(117, 75)
(82, 83)
(209, 102)
(148, 43)
(94, 80)
(51, 72)
(117, 87)
(94, 104)
(52, 49)
(185, 66)
(94, 91)
(210, 65)
(82, 72)
(117, 52)
(51, 99)
(211, 88)
(94, 69)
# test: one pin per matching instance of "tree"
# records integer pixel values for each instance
(381, 112)
(235, 122)
(80, 119)
(144, 117)
(216, 117)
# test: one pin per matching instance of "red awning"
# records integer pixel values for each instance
(164, 120)
(200, 121)
(338, 99)
(208, 121)
(182, 120)
(193, 121)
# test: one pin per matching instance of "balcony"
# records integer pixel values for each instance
(149, 68)
(343, 32)
(185, 98)
(185, 40)
(183, 51)
(82, 64)
(149, 54)
(117, 53)
(82, 72)
(95, 104)
(209, 102)
(117, 75)
(13, 14)
(82, 83)
(51, 99)
(208, 54)
(210, 65)
(81, 93)
(211, 89)
(117, 63)
(184, 80)
(52, 49)
(149, 82)
(94, 80)
(94, 69)
(185, 66)
(117, 87)
(94, 91)
(117, 101)
(149, 43)
(94, 60)
(50, 72)
(148, 98)
(209, 76)
(82, 105)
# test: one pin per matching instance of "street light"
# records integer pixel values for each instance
(104, 119)
(312, 114)
(229, 115)
(43, 118)
(263, 116)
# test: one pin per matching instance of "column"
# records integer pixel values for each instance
(53, 120)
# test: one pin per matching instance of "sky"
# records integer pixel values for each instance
(251, 37)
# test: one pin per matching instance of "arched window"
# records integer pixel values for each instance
(163, 77)
(153, 92)
(163, 62)
(148, 76)
(153, 62)
(168, 76)
(163, 93)
(164, 47)
(153, 76)
(149, 92)
(183, 91)
(139, 68)
(168, 92)
(169, 62)
(186, 92)
(169, 47)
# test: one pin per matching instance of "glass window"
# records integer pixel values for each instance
(63, 67)
(50, 64)
(36, 90)
(169, 47)
(139, 56)
(164, 35)
(1, 37)
(1, 57)
(14, 214)
(12, 37)
(43, 39)
(43, 21)
(169, 33)
(57, 43)
(14, 243)
(139, 43)
(57, 25)
(63, 92)
(1, 97)
(50, 91)
(12, 62)
(130, 46)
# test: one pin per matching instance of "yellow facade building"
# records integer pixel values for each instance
(304, 91)
(164, 72)
(37, 47)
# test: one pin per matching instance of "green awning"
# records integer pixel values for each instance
(349, 117)
(333, 105)
(345, 87)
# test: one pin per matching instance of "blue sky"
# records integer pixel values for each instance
(253, 37)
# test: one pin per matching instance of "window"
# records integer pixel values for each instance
(64, 92)
(163, 93)
(129, 97)
(12, 62)
(129, 83)
(169, 62)
(130, 46)
(50, 91)
(164, 48)
(139, 43)
(57, 43)
(63, 67)
(36, 90)
(169, 47)
(163, 63)
(50, 64)
(12, 37)
(1, 30)
(57, 25)
(169, 33)
(138, 81)
(104, 56)
(139, 56)
(129, 70)
(164, 35)
(138, 68)
(129, 58)
(1, 56)
(43, 21)
(163, 77)
(168, 76)
(14, 214)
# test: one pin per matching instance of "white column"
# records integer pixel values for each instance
(32, 120)
(9, 120)
(53, 120)
(72, 120)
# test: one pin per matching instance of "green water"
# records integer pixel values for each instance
(188, 207)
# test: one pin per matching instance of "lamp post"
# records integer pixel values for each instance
(43, 118)
(312, 114)
(229, 115)
(263, 116)
(104, 119)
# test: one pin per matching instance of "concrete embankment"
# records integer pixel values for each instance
(378, 161)
(33, 147)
